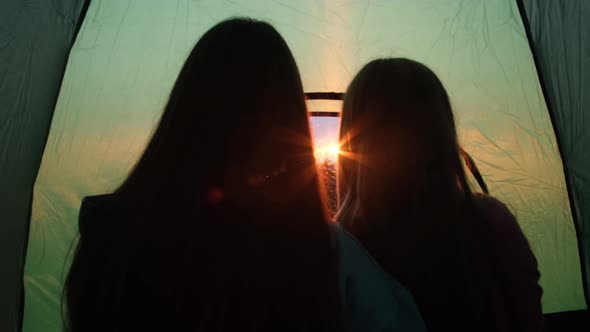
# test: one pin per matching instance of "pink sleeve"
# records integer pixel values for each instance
(516, 266)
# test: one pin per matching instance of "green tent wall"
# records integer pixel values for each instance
(127, 54)
(35, 40)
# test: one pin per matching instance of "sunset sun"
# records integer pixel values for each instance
(327, 152)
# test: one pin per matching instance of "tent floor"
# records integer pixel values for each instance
(570, 321)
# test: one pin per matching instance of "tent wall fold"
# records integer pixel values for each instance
(560, 39)
(35, 40)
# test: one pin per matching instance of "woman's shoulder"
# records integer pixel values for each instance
(373, 300)
(512, 244)
(91, 209)
(95, 203)
(490, 204)
(496, 212)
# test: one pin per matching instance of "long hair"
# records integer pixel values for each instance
(404, 192)
(220, 226)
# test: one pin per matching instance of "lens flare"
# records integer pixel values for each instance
(327, 152)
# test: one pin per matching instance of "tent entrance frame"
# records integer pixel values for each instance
(469, 162)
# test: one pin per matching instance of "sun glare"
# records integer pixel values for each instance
(333, 150)
(327, 152)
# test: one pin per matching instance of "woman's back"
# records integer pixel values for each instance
(512, 300)
(371, 299)
(516, 293)
(437, 277)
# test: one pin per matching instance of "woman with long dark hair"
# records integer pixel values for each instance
(404, 195)
(220, 226)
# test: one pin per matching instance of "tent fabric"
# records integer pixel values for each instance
(127, 55)
(560, 33)
(35, 39)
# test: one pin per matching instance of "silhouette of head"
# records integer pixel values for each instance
(236, 122)
(398, 135)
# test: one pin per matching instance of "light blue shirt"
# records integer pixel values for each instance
(372, 299)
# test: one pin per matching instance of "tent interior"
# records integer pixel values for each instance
(83, 83)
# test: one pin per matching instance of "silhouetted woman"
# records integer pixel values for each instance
(220, 226)
(405, 196)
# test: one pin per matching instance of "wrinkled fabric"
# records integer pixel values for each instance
(35, 39)
(128, 54)
(560, 33)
